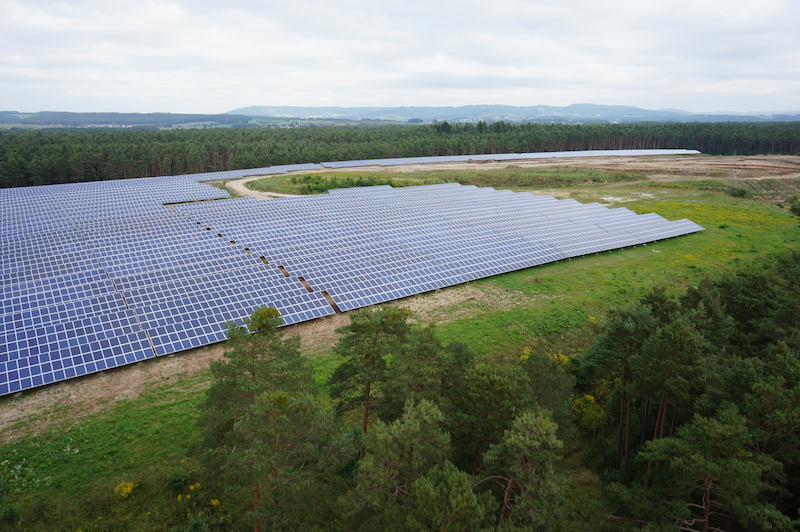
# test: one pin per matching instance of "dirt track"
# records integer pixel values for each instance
(238, 188)
(92, 393)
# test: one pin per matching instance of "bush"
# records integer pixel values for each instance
(178, 481)
(318, 184)
(265, 319)
(739, 193)
(10, 513)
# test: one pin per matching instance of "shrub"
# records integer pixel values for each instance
(195, 524)
(737, 192)
(318, 184)
(178, 481)
(10, 513)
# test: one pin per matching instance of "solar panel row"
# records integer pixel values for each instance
(41, 355)
(387, 243)
(97, 275)
(279, 169)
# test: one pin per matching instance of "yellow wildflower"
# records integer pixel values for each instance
(124, 489)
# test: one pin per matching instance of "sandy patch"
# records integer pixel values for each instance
(611, 200)
(317, 337)
(237, 187)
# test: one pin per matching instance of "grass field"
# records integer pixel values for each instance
(518, 179)
(581, 291)
(64, 477)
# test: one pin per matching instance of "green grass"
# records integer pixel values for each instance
(504, 178)
(64, 478)
(533, 178)
(222, 186)
(586, 288)
(293, 184)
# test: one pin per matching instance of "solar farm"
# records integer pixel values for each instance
(103, 274)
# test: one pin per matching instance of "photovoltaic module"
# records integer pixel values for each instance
(98, 275)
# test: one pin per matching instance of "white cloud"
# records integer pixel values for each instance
(203, 56)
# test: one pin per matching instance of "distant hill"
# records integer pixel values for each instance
(577, 113)
(156, 120)
(584, 113)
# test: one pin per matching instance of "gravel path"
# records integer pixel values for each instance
(237, 187)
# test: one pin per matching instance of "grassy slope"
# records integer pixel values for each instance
(64, 479)
(581, 291)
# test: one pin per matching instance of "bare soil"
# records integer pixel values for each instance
(76, 398)
(459, 302)
(73, 399)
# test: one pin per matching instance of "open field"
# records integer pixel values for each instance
(66, 447)
(771, 178)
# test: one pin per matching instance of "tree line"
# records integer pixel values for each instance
(687, 407)
(69, 156)
(691, 405)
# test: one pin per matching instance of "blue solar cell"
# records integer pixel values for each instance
(95, 275)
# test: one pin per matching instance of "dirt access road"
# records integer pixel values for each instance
(37, 409)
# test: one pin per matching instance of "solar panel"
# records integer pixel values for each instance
(499, 157)
(97, 275)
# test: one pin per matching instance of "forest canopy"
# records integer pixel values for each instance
(70, 156)
(687, 407)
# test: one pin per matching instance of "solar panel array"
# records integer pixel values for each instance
(401, 161)
(98, 275)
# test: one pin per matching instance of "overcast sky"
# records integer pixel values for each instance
(214, 56)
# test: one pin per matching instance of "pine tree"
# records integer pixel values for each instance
(371, 338)
(523, 465)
